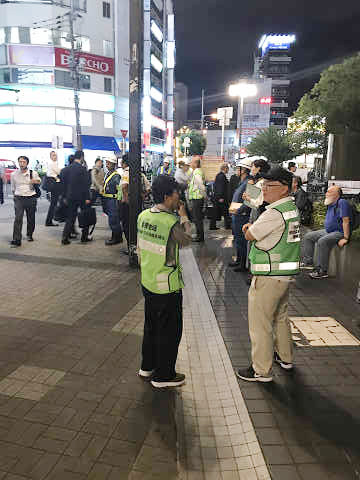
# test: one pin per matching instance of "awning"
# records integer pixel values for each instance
(17, 144)
(95, 142)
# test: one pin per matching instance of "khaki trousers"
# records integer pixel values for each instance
(269, 324)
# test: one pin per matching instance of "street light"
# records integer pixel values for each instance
(242, 90)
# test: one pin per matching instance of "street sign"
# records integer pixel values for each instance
(124, 133)
(225, 112)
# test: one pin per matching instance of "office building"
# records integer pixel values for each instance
(273, 61)
(181, 105)
(36, 83)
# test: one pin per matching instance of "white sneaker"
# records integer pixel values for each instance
(145, 373)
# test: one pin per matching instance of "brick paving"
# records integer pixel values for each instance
(308, 421)
(71, 404)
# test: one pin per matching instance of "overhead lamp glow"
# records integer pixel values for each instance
(242, 90)
(156, 31)
(156, 94)
(155, 62)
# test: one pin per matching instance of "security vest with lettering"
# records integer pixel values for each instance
(110, 190)
(194, 192)
(154, 229)
(284, 257)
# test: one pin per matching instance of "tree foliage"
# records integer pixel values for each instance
(308, 135)
(273, 144)
(197, 144)
(336, 97)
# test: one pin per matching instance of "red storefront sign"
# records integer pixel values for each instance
(88, 62)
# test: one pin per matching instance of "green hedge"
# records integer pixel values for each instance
(319, 218)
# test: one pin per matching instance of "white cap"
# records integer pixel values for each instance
(112, 159)
(245, 163)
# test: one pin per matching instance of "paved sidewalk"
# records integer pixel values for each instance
(308, 421)
(71, 404)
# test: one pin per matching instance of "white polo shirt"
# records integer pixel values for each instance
(20, 183)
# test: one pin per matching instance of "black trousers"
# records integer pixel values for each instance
(162, 333)
(124, 215)
(1, 191)
(198, 216)
(53, 202)
(221, 209)
(72, 212)
(28, 205)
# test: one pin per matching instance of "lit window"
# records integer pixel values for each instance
(2, 35)
(14, 35)
(108, 48)
(83, 43)
(108, 120)
(68, 117)
(34, 115)
(40, 76)
(41, 36)
(106, 9)
(107, 85)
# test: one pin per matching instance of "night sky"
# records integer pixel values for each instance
(216, 40)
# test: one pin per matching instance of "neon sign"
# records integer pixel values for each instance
(276, 42)
(265, 100)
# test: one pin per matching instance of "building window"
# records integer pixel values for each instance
(41, 76)
(108, 48)
(108, 120)
(41, 36)
(219, 140)
(64, 79)
(4, 75)
(24, 35)
(107, 85)
(106, 9)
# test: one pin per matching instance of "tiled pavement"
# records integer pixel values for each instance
(71, 404)
(72, 408)
(308, 421)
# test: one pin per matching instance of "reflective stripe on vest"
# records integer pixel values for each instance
(109, 195)
(162, 171)
(152, 247)
(265, 267)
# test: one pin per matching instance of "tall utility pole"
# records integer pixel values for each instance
(135, 97)
(75, 75)
(202, 108)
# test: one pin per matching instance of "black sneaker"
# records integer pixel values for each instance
(318, 274)
(250, 375)
(86, 240)
(177, 381)
(15, 244)
(306, 266)
(30, 238)
(284, 365)
(236, 263)
(65, 241)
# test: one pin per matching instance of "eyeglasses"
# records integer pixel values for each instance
(269, 185)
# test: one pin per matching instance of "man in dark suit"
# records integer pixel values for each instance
(76, 191)
(221, 198)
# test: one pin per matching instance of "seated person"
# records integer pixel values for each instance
(336, 231)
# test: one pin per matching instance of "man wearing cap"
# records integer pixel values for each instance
(110, 201)
(165, 169)
(275, 259)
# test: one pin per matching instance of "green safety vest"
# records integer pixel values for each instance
(109, 195)
(194, 192)
(153, 234)
(284, 257)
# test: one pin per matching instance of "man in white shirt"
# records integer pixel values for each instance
(22, 186)
(53, 182)
(275, 259)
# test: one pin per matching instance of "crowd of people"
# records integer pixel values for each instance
(73, 191)
(265, 208)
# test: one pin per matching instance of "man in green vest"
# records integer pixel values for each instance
(160, 235)
(275, 259)
(110, 201)
(197, 195)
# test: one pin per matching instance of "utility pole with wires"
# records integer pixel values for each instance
(75, 74)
